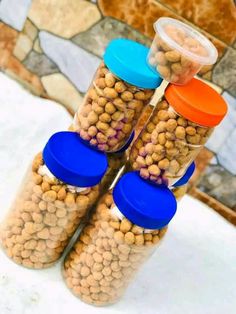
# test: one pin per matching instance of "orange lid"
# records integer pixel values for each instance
(197, 102)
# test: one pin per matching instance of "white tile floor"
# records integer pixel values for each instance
(192, 272)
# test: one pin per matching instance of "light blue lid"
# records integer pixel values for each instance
(127, 60)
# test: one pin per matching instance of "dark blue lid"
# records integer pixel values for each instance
(185, 178)
(127, 60)
(144, 204)
(126, 146)
(72, 162)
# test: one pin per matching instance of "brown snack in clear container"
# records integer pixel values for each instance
(180, 188)
(112, 247)
(178, 128)
(178, 51)
(116, 99)
(116, 161)
(46, 212)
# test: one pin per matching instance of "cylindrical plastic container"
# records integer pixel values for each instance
(57, 192)
(123, 232)
(120, 89)
(178, 51)
(115, 163)
(179, 189)
(178, 128)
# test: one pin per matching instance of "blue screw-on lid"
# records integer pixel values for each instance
(72, 162)
(186, 177)
(127, 60)
(144, 204)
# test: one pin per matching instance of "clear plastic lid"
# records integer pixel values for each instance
(186, 40)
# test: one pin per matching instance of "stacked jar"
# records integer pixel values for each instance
(180, 188)
(179, 126)
(59, 189)
(123, 85)
(122, 233)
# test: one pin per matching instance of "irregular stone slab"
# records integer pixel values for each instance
(141, 14)
(14, 12)
(98, 36)
(76, 63)
(216, 17)
(39, 64)
(37, 47)
(227, 153)
(58, 87)
(65, 18)
(23, 46)
(25, 40)
(223, 131)
(220, 184)
(224, 72)
(30, 30)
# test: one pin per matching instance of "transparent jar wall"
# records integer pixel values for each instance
(110, 111)
(43, 218)
(179, 191)
(167, 145)
(115, 162)
(107, 255)
(170, 64)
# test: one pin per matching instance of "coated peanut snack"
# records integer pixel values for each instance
(115, 163)
(178, 52)
(167, 145)
(180, 191)
(108, 253)
(43, 218)
(110, 111)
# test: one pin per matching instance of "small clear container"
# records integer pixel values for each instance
(121, 88)
(178, 51)
(123, 232)
(178, 128)
(58, 190)
(180, 188)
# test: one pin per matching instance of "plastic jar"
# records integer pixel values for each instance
(122, 233)
(116, 161)
(178, 51)
(180, 188)
(57, 192)
(121, 88)
(179, 126)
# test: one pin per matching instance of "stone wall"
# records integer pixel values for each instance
(53, 47)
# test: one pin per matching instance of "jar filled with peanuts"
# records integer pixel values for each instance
(58, 190)
(179, 126)
(116, 161)
(120, 89)
(180, 188)
(178, 51)
(128, 224)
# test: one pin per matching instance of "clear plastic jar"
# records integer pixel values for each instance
(178, 128)
(116, 161)
(119, 237)
(178, 51)
(49, 207)
(122, 86)
(180, 188)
